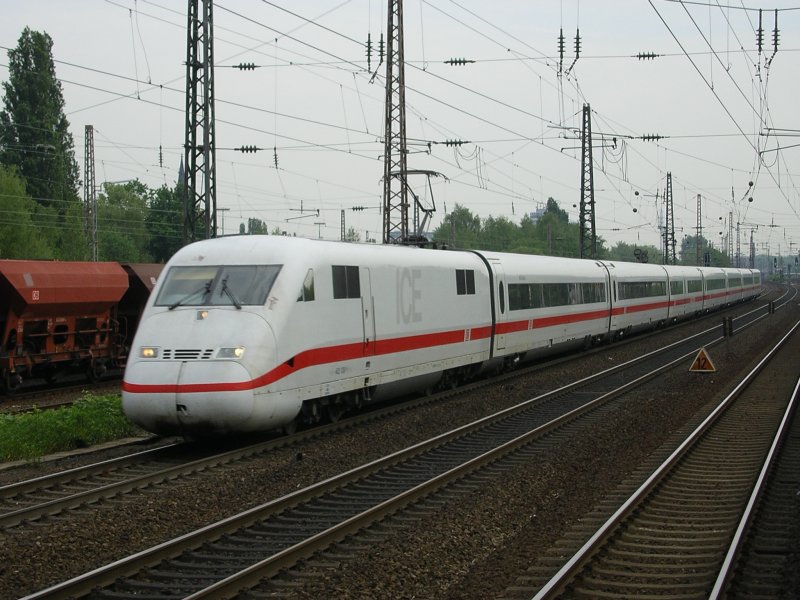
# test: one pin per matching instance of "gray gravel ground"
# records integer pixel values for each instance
(469, 549)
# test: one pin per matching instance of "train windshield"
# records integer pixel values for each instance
(238, 285)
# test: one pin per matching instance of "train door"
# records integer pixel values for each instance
(367, 311)
(501, 308)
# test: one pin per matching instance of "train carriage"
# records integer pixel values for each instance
(715, 288)
(734, 285)
(57, 316)
(553, 303)
(640, 296)
(685, 292)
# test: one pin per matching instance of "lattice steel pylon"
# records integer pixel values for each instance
(200, 202)
(588, 235)
(395, 190)
(90, 193)
(698, 245)
(669, 225)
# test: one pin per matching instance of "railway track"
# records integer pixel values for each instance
(50, 495)
(679, 534)
(241, 550)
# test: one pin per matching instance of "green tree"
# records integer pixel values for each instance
(352, 235)
(34, 132)
(558, 235)
(255, 226)
(688, 253)
(460, 228)
(498, 234)
(164, 222)
(635, 253)
(122, 233)
(18, 234)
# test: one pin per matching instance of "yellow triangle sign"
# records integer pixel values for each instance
(702, 363)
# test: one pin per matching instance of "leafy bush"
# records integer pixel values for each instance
(91, 420)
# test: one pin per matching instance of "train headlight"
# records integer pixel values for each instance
(148, 352)
(237, 352)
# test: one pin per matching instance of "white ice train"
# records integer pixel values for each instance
(255, 333)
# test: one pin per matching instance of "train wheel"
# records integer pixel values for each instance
(95, 372)
(11, 383)
(335, 410)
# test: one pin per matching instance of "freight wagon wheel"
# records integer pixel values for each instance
(95, 372)
(11, 383)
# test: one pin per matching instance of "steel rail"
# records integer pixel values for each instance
(559, 582)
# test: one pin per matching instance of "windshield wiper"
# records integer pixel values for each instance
(205, 289)
(230, 294)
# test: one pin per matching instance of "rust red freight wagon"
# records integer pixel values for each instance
(58, 316)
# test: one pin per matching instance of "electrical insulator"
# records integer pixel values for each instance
(357, 208)
(775, 38)
(160, 157)
(369, 52)
(246, 66)
(455, 142)
(577, 44)
(248, 149)
(458, 61)
(561, 44)
(381, 48)
(275, 156)
(647, 55)
(759, 33)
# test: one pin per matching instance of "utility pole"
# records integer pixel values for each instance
(730, 238)
(222, 212)
(669, 225)
(588, 236)
(395, 191)
(90, 193)
(699, 230)
(200, 202)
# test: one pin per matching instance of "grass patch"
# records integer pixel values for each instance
(91, 420)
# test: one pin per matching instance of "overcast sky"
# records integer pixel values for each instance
(728, 115)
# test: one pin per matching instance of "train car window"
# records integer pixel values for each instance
(465, 282)
(631, 290)
(515, 296)
(735, 282)
(575, 295)
(715, 284)
(233, 285)
(695, 285)
(307, 291)
(593, 292)
(676, 287)
(346, 282)
(555, 294)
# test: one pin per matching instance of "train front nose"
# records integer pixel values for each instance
(188, 398)
(198, 389)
